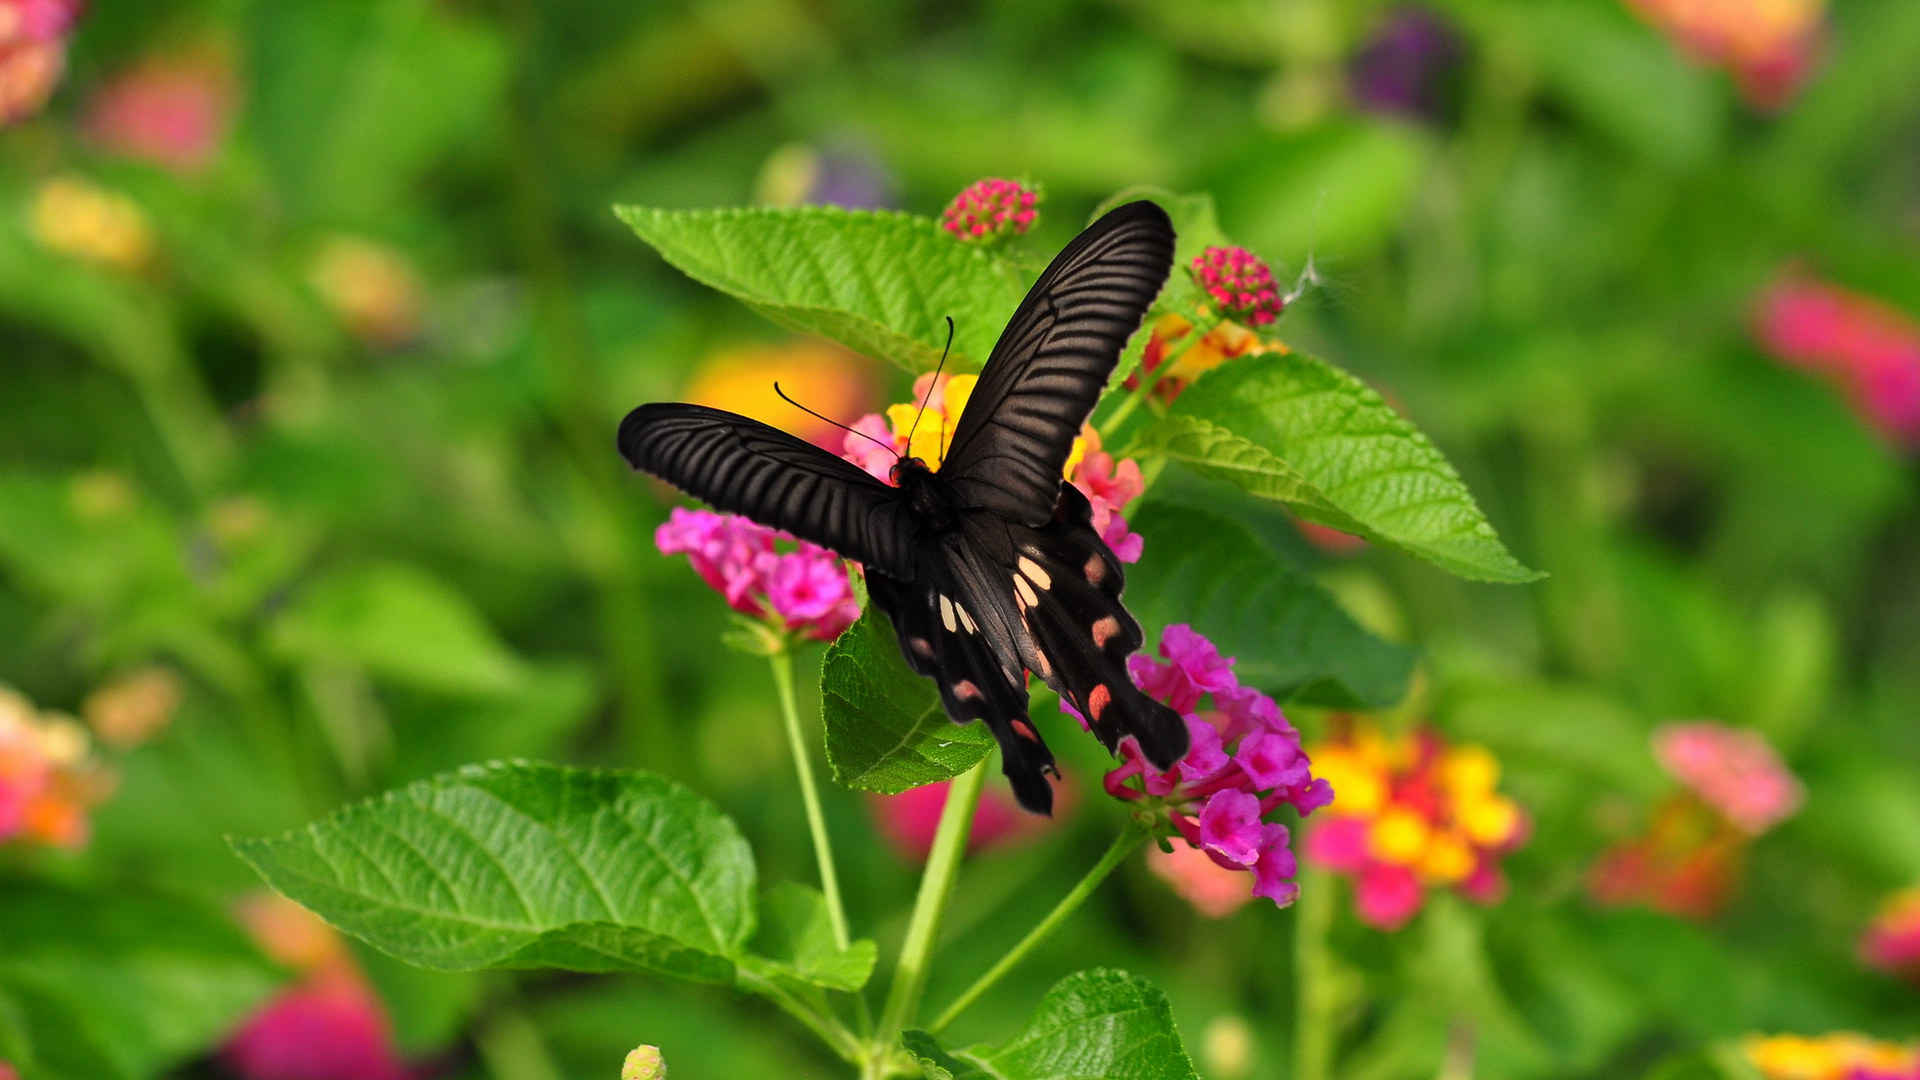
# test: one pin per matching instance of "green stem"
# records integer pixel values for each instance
(1127, 406)
(782, 662)
(936, 885)
(1123, 845)
(830, 1030)
(1314, 978)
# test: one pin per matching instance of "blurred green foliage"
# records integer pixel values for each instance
(380, 529)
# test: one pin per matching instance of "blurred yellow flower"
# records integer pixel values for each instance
(133, 708)
(1835, 1056)
(826, 378)
(371, 288)
(79, 218)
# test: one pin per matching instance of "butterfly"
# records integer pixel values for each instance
(990, 567)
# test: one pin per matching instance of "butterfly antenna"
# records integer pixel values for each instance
(928, 396)
(830, 420)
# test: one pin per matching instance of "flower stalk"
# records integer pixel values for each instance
(781, 660)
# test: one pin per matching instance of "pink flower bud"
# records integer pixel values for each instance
(988, 210)
(1240, 283)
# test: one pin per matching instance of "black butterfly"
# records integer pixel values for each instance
(990, 565)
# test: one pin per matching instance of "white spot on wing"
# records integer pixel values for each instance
(1025, 591)
(946, 614)
(966, 620)
(1035, 573)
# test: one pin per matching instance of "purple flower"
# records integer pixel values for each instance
(805, 586)
(1405, 66)
(1245, 762)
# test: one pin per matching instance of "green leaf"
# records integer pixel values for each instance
(1290, 635)
(516, 865)
(935, 1062)
(121, 984)
(1300, 431)
(1093, 1025)
(397, 623)
(795, 942)
(880, 282)
(886, 731)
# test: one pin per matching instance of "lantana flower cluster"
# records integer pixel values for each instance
(1868, 349)
(762, 571)
(1768, 46)
(1416, 813)
(1734, 788)
(33, 52)
(1225, 341)
(1841, 1055)
(1892, 941)
(991, 209)
(1240, 284)
(49, 779)
(1244, 764)
(1109, 485)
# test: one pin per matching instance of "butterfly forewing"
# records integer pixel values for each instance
(762, 472)
(1052, 362)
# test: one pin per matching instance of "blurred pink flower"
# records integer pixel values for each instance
(990, 209)
(49, 778)
(909, 819)
(1214, 890)
(1870, 350)
(1892, 941)
(330, 1027)
(170, 110)
(1732, 770)
(1240, 284)
(1243, 764)
(806, 586)
(33, 52)
(1768, 46)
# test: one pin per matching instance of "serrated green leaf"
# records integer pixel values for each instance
(397, 623)
(515, 865)
(122, 985)
(1093, 1025)
(1300, 431)
(1289, 634)
(886, 731)
(880, 282)
(795, 942)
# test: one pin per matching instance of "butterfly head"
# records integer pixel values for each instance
(907, 470)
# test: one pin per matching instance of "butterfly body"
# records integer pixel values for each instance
(989, 567)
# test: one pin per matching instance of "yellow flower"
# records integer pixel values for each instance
(1448, 858)
(826, 378)
(1359, 789)
(78, 218)
(1490, 820)
(1399, 835)
(1469, 770)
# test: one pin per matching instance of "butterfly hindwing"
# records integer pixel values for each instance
(941, 635)
(1066, 583)
(744, 466)
(1052, 362)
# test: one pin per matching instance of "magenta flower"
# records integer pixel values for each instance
(1240, 283)
(1892, 941)
(1868, 349)
(806, 586)
(329, 1028)
(909, 819)
(1214, 801)
(170, 110)
(989, 210)
(1732, 770)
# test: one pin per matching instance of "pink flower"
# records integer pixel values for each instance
(170, 110)
(330, 1027)
(1215, 891)
(871, 449)
(909, 819)
(1768, 48)
(805, 586)
(1212, 800)
(1387, 895)
(1240, 283)
(1732, 770)
(1868, 349)
(1892, 941)
(989, 210)
(33, 52)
